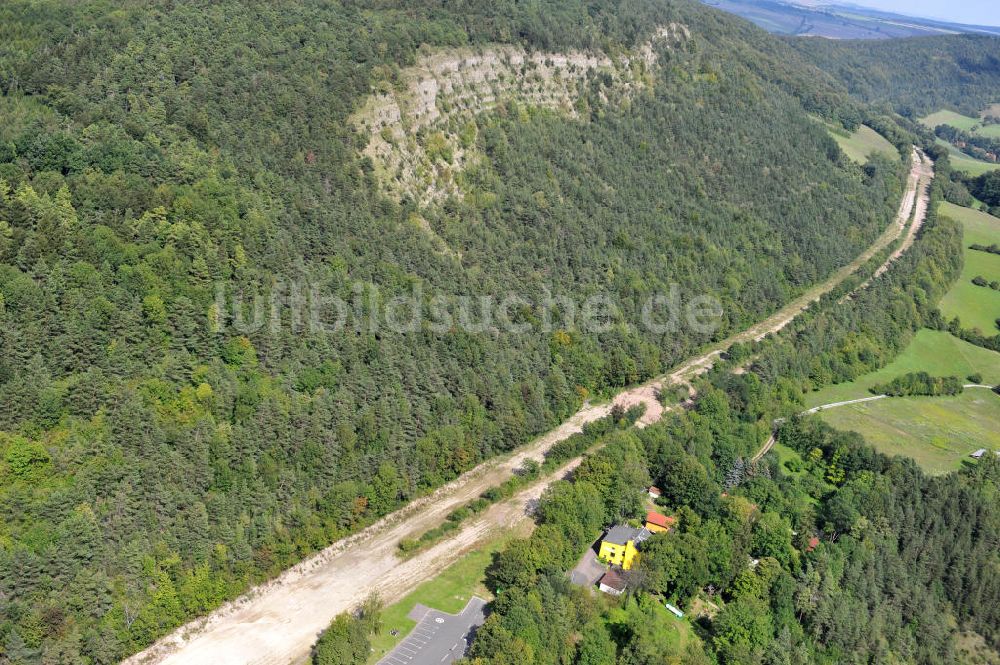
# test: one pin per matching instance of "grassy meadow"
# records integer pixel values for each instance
(962, 162)
(937, 432)
(863, 142)
(963, 122)
(992, 131)
(959, 160)
(935, 352)
(957, 120)
(975, 306)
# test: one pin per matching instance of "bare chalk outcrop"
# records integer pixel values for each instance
(422, 134)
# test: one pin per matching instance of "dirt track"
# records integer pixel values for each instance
(276, 623)
(914, 206)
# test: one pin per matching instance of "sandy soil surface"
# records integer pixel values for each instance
(914, 206)
(276, 623)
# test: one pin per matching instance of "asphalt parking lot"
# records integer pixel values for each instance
(438, 637)
(587, 570)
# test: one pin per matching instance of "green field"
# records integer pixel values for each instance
(962, 162)
(992, 131)
(959, 160)
(935, 352)
(975, 306)
(665, 634)
(862, 143)
(963, 122)
(448, 592)
(938, 432)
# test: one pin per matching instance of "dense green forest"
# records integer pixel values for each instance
(152, 467)
(986, 188)
(914, 76)
(896, 549)
(859, 558)
(154, 461)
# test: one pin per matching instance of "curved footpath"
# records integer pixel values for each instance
(848, 402)
(277, 622)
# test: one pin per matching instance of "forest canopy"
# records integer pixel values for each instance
(154, 463)
(916, 76)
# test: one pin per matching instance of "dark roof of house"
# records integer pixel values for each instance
(613, 580)
(620, 534)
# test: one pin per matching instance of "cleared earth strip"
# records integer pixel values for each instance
(277, 622)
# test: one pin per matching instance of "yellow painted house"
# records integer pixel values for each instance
(619, 545)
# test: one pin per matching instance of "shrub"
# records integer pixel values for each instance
(919, 383)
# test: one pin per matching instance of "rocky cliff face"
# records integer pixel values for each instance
(422, 134)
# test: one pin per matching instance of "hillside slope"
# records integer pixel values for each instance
(915, 76)
(160, 451)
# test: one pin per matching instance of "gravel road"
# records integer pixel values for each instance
(276, 623)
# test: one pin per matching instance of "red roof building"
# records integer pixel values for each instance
(658, 523)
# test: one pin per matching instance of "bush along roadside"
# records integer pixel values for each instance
(558, 454)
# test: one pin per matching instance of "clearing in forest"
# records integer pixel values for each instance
(962, 162)
(964, 122)
(975, 306)
(933, 351)
(938, 432)
(862, 142)
(975, 126)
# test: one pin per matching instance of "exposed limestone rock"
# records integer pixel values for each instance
(422, 135)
